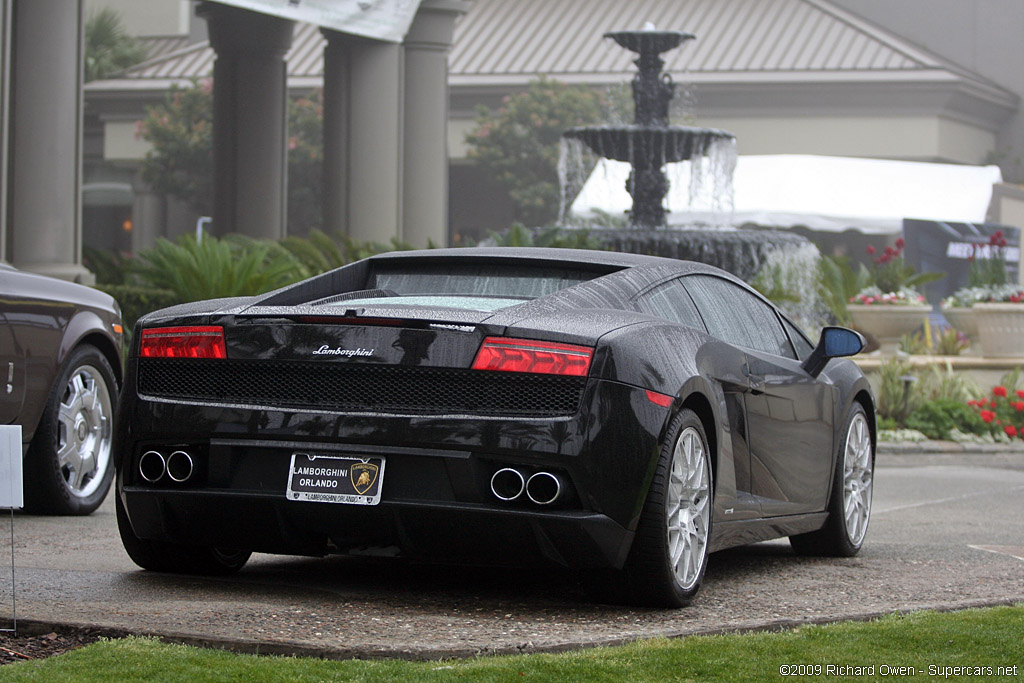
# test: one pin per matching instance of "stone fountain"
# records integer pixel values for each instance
(648, 145)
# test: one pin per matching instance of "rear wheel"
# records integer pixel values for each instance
(670, 551)
(68, 470)
(177, 558)
(850, 501)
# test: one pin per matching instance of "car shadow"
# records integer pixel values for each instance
(391, 582)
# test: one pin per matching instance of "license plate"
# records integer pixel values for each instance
(332, 479)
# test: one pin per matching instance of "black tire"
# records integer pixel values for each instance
(177, 558)
(667, 562)
(69, 466)
(849, 507)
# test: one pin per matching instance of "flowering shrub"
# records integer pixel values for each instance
(965, 297)
(894, 281)
(986, 279)
(988, 262)
(1003, 411)
(905, 296)
(1011, 294)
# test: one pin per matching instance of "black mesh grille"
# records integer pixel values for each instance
(372, 388)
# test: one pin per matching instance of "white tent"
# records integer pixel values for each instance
(821, 193)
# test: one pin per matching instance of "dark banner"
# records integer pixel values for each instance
(948, 248)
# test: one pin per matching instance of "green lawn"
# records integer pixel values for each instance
(981, 644)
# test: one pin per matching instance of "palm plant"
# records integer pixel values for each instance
(108, 47)
(838, 282)
(213, 268)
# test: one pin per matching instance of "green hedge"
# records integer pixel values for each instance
(136, 301)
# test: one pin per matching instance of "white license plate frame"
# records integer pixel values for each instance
(329, 478)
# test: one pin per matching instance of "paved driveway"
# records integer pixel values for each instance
(946, 531)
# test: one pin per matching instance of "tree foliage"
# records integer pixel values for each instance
(305, 162)
(181, 132)
(518, 145)
(108, 47)
(181, 161)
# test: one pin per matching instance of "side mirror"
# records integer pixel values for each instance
(835, 342)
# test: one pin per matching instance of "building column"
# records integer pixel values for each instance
(425, 122)
(369, 117)
(336, 96)
(45, 139)
(250, 102)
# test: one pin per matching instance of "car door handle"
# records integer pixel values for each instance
(755, 383)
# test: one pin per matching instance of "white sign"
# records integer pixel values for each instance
(381, 19)
(11, 495)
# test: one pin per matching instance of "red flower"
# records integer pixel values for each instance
(1020, 393)
(988, 416)
(999, 391)
(1010, 430)
(871, 250)
(900, 243)
(991, 404)
(1019, 406)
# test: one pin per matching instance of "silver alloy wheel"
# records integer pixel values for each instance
(688, 508)
(84, 431)
(857, 478)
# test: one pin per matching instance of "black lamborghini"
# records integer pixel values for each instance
(618, 414)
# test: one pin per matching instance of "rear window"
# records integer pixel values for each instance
(502, 280)
(469, 303)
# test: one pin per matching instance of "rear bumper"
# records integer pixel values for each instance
(436, 501)
(431, 532)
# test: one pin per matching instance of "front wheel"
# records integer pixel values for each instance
(69, 470)
(849, 508)
(670, 551)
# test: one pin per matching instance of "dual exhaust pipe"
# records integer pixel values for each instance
(178, 466)
(542, 488)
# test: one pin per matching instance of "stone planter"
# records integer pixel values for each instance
(1001, 329)
(964, 320)
(887, 323)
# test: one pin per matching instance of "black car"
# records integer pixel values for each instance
(618, 414)
(60, 355)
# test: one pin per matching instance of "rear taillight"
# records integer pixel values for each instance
(526, 355)
(183, 342)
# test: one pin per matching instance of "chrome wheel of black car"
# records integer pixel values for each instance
(69, 468)
(850, 502)
(688, 512)
(670, 552)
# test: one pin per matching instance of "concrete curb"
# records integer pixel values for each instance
(949, 447)
(296, 649)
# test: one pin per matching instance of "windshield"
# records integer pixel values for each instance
(513, 281)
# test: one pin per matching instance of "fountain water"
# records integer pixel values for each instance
(648, 145)
(650, 142)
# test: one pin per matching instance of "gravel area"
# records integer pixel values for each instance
(24, 646)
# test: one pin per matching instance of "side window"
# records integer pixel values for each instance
(803, 347)
(733, 314)
(670, 301)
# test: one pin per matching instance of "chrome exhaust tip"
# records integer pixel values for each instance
(179, 466)
(152, 466)
(544, 488)
(507, 484)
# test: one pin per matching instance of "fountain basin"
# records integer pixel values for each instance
(648, 40)
(648, 145)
